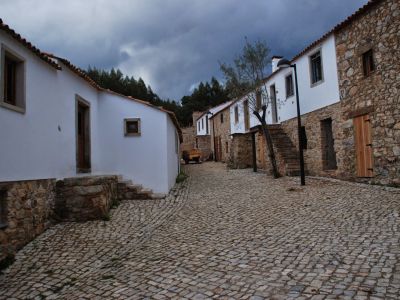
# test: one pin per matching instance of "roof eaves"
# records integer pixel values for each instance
(28, 45)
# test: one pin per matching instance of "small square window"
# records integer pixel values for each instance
(289, 86)
(12, 81)
(132, 127)
(316, 67)
(368, 63)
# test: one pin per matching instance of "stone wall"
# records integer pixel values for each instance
(241, 152)
(27, 210)
(85, 198)
(203, 143)
(189, 136)
(377, 94)
(222, 134)
(313, 154)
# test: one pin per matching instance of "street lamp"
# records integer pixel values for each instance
(284, 63)
(210, 113)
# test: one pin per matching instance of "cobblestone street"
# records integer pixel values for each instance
(223, 233)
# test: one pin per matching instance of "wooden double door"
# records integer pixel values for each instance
(363, 143)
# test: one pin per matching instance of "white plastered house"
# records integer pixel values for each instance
(55, 122)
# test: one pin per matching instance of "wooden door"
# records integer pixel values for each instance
(363, 141)
(274, 107)
(328, 150)
(261, 150)
(246, 115)
(82, 138)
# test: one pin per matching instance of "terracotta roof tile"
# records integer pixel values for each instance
(28, 45)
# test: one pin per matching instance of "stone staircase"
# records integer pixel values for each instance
(129, 191)
(286, 152)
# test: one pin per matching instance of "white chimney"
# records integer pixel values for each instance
(275, 60)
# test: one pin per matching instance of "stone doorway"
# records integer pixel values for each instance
(83, 157)
(327, 144)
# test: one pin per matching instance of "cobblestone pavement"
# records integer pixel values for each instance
(224, 234)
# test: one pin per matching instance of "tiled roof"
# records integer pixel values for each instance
(51, 60)
(170, 113)
(216, 109)
(28, 45)
(360, 12)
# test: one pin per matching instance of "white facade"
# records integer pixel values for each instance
(203, 122)
(312, 97)
(41, 141)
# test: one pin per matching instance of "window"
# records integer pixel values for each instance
(222, 117)
(3, 208)
(246, 115)
(12, 81)
(258, 100)
(202, 123)
(368, 63)
(236, 114)
(198, 123)
(207, 124)
(226, 147)
(289, 86)
(316, 67)
(132, 127)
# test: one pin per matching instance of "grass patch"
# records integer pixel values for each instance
(181, 177)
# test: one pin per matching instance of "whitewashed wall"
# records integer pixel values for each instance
(172, 159)
(41, 142)
(140, 158)
(202, 130)
(311, 97)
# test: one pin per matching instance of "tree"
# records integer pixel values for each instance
(246, 79)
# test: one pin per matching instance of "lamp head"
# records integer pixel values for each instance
(284, 63)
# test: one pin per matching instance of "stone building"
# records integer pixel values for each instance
(56, 122)
(221, 134)
(204, 127)
(368, 52)
(349, 101)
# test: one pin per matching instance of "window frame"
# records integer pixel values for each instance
(371, 63)
(286, 85)
(312, 83)
(236, 112)
(20, 101)
(126, 121)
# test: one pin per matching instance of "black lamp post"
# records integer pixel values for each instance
(284, 63)
(210, 113)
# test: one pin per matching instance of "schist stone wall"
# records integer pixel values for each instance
(376, 94)
(222, 136)
(27, 208)
(85, 198)
(241, 152)
(316, 143)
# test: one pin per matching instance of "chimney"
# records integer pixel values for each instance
(275, 60)
(195, 115)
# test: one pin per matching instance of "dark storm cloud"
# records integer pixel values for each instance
(172, 44)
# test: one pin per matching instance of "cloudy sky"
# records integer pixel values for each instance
(171, 44)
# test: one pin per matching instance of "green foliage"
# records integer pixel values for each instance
(204, 96)
(181, 177)
(247, 73)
